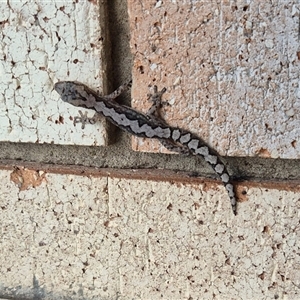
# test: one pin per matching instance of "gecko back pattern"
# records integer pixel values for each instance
(145, 125)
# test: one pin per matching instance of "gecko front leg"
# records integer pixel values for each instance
(84, 119)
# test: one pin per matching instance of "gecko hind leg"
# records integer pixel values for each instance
(171, 146)
(153, 111)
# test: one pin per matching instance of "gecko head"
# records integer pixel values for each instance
(67, 90)
(71, 92)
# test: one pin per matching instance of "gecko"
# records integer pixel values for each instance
(148, 125)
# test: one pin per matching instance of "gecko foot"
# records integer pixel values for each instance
(84, 119)
(155, 98)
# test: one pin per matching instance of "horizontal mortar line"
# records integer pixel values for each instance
(172, 176)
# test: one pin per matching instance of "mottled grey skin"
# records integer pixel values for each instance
(142, 125)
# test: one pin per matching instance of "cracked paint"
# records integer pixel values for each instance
(231, 72)
(42, 42)
(102, 237)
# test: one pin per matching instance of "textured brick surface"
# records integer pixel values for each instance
(42, 42)
(231, 69)
(80, 233)
(90, 237)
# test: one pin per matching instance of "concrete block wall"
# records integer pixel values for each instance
(231, 69)
(79, 221)
(71, 233)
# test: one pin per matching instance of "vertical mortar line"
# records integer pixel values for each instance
(106, 46)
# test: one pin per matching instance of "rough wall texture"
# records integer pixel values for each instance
(231, 69)
(65, 236)
(91, 237)
(42, 42)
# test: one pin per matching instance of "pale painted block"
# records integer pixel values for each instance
(91, 237)
(42, 42)
(231, 69)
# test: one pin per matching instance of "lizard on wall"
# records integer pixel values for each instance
(143, 125)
